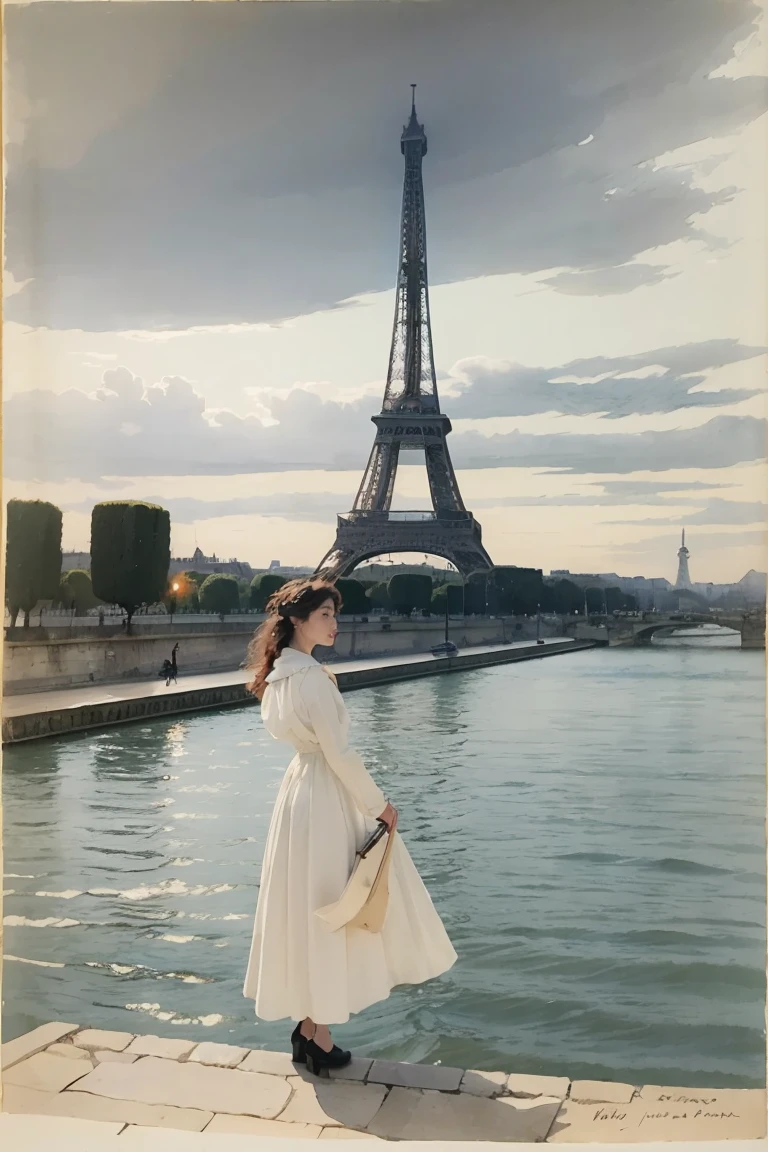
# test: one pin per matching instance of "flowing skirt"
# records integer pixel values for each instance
(297, 966)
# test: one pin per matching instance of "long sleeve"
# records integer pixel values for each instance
(319, 696)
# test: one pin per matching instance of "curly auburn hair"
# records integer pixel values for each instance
(297, 599)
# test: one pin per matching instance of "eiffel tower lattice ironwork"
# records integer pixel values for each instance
(410, 419)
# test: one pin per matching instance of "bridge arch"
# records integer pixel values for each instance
(749, 624)
(644, 635)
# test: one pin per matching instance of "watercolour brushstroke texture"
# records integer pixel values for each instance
(464, 307)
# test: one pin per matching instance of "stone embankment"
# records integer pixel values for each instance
(128, 1082)
(36, 715)
(46, 658)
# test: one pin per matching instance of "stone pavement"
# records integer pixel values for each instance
(131, 1082)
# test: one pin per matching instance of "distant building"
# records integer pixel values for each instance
(647, 590)
(382, 573)
(278, 569)
(749, 592)
(70, 560)
(582, 579)
(207, 565)
(684, 595)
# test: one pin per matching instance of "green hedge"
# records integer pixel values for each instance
(354, 600)
(130, 553)
(454, 595)
(76, 591)
(409, 590)
(378, 596)
(264, 585)
(220, 593)
(32, 555)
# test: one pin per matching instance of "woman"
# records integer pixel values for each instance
(326, 807)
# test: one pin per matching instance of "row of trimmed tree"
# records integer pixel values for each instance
(505, 591)
(130, 558)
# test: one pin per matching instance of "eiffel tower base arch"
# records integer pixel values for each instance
(361, 537)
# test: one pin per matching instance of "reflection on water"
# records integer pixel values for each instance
(590, 828)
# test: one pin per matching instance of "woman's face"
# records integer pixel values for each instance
(320, 626)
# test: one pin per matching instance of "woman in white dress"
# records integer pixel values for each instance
(327, 805)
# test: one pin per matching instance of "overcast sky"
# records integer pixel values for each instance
(202, 213)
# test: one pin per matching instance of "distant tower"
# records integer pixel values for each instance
(683, 575)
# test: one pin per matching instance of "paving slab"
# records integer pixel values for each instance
(46, 1073)
(160, 1046)
(269, 1063)
(29, 1131)
(486, 1084)
(519, 1084)
(98, 1038)
(68, 1051)
(157, 1081)
(252, 1126)
(19, 1049)
(409, 1114)
(347, 1134)
(81, 1105)
(336, 1105)
(357, 1069)
(432, 1077)
(601, 1092)
(219, 1055)
(721, 1115)
(107, 1057)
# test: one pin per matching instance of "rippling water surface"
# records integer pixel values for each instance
(591, 829)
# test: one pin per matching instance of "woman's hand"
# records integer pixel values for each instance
(389, 817)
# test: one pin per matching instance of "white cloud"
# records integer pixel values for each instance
(659, 381)
(127, 429)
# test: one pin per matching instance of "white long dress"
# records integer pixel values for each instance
(326, 805)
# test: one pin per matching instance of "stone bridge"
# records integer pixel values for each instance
(637, 630)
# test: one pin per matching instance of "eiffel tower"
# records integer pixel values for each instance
(410, 419)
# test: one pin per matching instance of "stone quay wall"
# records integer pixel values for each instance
(35, 663)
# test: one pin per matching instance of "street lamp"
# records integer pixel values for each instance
(172, 600)
(538, 624)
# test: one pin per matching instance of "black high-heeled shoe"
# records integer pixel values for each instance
(299, 1044)
(320, 1062)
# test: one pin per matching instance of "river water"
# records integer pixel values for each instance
(590, 826)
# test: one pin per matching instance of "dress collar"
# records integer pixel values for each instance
(289, 661)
